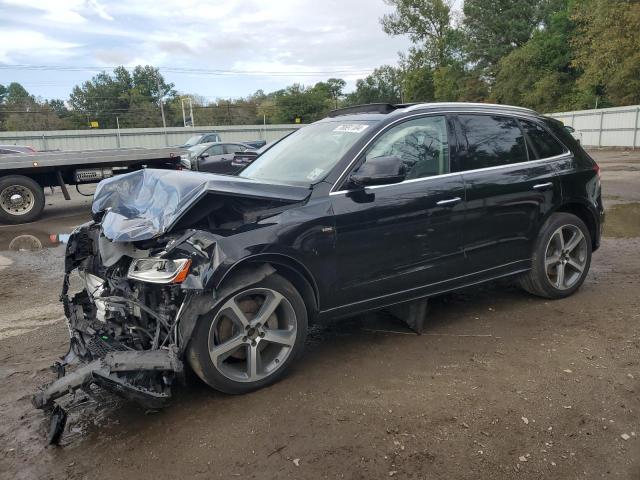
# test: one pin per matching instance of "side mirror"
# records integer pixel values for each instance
(379, 171)
(204, 155)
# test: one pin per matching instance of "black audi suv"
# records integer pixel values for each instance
(373, 207)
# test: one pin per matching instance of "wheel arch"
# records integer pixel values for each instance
(584, 213)
(289, 268)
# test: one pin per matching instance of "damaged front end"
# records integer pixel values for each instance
(129, 319)
(146, 268)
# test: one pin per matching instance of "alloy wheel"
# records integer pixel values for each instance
(566, 257)
(252, 335)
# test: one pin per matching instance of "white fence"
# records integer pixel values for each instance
(605, 127)
(67, 140)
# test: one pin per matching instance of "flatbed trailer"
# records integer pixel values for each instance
(23, 177)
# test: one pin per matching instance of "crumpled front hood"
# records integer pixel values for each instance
(147, 203)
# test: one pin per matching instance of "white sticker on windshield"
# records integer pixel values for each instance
(315, 173)
(351, 128)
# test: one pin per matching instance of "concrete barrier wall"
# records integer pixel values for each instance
(68, 140)
(604, 127)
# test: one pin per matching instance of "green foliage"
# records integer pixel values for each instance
(607, 48)
(540, 75)
(384, 85)
(132, 97)
(494, 28)
(298, 101)
(428, 24)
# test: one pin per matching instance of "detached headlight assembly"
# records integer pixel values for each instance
(157, 270)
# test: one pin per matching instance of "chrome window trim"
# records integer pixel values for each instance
(444, 175)
(428, 114)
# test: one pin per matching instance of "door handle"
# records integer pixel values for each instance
(543, 186)
(449, 201)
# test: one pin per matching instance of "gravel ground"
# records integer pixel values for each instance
(501, 385)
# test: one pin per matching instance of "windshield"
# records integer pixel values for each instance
(307, 155)
(193, 140)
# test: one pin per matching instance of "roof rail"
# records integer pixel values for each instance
(367, 108)
(466, 104)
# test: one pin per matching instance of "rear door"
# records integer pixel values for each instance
(510, 187)
(394, 240)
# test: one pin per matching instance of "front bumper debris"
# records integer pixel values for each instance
(126, 336)
(108, 373)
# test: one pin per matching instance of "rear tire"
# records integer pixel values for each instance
(561, 257)
(251, 338)
(21, 199)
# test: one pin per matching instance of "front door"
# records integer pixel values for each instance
(394, 240)
(510, 188)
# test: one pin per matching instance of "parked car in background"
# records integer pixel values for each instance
(12, 149)
(214, 157)
(376, 206)
(200, 139)
(256, 143)
(244, 159)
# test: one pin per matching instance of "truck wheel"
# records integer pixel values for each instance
(561, 257)
(21, 199)
(251, 338)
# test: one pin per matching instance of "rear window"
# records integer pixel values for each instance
(491, 141)
(541, 143)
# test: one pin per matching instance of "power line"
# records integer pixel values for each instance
(194, 71)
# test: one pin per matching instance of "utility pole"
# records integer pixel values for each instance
(193, 120)
(184, 119)
(118, 126)
(164, 122)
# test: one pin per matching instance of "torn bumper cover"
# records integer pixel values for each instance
(108, 372)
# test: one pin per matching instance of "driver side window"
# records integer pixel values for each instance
(421, 144)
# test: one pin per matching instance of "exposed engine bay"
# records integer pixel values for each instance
(131, 319)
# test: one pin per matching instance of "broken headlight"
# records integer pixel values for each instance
(158, 270)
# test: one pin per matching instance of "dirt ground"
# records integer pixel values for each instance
(501, 385)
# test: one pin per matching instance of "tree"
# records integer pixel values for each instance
(384, 85)
(607, 48)
(494, 28)
(131, 96)
(540, 74)
(332, 89)
(428, 24)
(417, 85)
(298, 101)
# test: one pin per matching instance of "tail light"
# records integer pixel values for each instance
(596, 168)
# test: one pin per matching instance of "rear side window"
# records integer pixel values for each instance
(233, 148)
(490, 141)
(541, 143)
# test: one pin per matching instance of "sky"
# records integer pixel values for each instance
(248, 44)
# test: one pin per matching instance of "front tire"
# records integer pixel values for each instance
(251, 338)
(561, 257)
